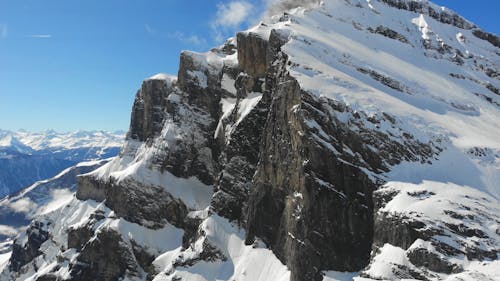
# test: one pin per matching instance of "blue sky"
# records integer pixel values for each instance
(69, 65)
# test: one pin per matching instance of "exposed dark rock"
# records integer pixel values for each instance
(241, 153)
(493, 89)
(424, 194)
(276, 40)
(191, 233)
(397, 231)
(105, 258)
(241, 157)
(209, 253)
(386, 80)
(443, 16)
(293, 212)
(463, 230)
(91, 188)
(147, 112)
(402, 230)
(405, 272)
(79, 236)
(48, 277)
(144, 259)
(147, 205)
(387, 32)
(458, 76)
(252, 53)
(492, 73)
(454, 215)
(490, 37)
(193, 113)
(423, 258)
(36, 234)
(382, 197)
(309, 196)
(488, 99)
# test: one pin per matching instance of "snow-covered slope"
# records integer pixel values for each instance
(43, 197)
(346, 140)
(431, 76)
(27, 157)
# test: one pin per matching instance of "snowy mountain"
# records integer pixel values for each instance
(27, 157)
(338, 140)
(17, 210)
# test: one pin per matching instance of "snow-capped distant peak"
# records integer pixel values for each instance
(53, 140)
(12, 143)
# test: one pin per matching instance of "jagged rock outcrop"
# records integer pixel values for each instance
(492, 38)
(24, 252)
(387, 32)
(444, 16)
(95, 264)
(148, 110)
(145, 204)
(309, 198)
(252, 50)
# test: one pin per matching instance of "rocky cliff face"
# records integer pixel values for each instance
(296, 152)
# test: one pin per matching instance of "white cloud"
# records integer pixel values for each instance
(60, 198)
(6, 230)
(178, 35)
(278, 6)
(3, 31)
(40, 36)
(24, 205)
(233, 13)
(229, 16)
(190, 39)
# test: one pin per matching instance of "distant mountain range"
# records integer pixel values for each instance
(17, 209)
(27, 157)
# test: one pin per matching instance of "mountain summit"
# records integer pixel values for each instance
(336, 141)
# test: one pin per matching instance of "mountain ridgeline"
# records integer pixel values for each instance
(337, 140)
(29, 157)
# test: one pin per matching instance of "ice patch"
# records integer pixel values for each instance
(247, 104)
(227, 83)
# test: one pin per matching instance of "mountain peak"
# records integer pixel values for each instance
(12, 143)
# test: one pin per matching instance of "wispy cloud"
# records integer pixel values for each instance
(178, 35)
(24, 205)
(190, 39)
(274, 7)
(4, 31)
(149, 29)
(230, 15)
(42, 36)
(7, 230)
